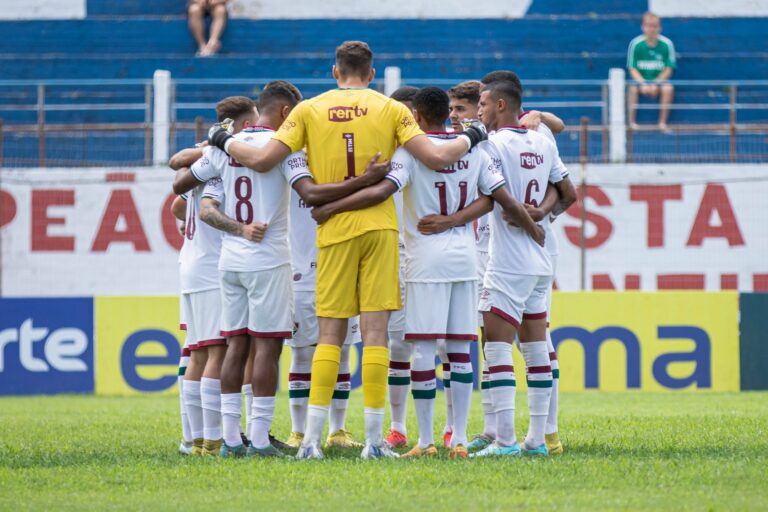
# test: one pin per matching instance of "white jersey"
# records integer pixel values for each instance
(251, 196)
(303, 245)
(448, 256)
(199, 256)
(528, 161)
(483, 228)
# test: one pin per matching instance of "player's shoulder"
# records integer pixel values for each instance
(255, 135)
(667, 41)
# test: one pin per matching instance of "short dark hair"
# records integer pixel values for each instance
(234, 107)
(405, 93)
(469, 90)
(432, 104)
(279, 90)
(503, 76)
(508, 91)
(354, 58)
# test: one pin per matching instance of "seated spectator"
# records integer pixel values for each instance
(651, 60)
(196, 12)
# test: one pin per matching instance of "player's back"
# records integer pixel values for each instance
(528, 162)
(342, 130)
(449, 254)
(303, 238)
(199, 256)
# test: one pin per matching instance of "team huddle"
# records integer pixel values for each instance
(355, 216)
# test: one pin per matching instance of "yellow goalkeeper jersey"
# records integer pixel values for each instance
(342, 130)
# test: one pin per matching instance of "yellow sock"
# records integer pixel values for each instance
(375, 369)
(325, 369)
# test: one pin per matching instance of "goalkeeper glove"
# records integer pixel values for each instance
(220, 133)
(474, 131)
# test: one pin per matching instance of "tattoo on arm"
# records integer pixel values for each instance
(214, 217)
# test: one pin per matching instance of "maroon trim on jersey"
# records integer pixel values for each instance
(534, 316)
(183, 327)
(458, 357)
(446, 367)
(553, 356)
(256, 127)
(399, 365)
(211, 343)
(194, 347)
(274, 334)
(539, 369)
(501, 368)
(236, 332)
(523, 114)
(343, 377)
(185, 352)
(512, 126)
(422, 375)
(506, 316)
(293, 377)
(440, 336)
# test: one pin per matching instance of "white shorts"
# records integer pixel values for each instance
(445, 311)
(552, 257)
(515, 297)
(482, 264)
(305, 326)
(201, 314)
(397, 318)
(257, 303)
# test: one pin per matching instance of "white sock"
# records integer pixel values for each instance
(374, 425)
(186, 432)
(399, 380)
(338, 413)
(248, 393)
(423, 388)
(193, 402)
(552, 413)
(231, 409)
(316, 415)
(262, 411)
(539, 374)
(443, 353)
(489, 415)
(210, 392)
(503, 388)
(299, 378)
(461, 389)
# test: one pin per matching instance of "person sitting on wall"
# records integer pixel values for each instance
(197, 10)
(651, 60)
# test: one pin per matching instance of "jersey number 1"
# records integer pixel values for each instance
(349, 141)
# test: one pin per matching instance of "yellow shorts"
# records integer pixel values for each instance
(360, 274)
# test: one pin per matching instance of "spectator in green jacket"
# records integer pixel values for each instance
(651, 60)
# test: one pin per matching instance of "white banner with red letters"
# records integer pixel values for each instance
(83, 232)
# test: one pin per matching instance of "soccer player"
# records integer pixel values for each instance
(357, 251)
(441, 270)
(200, 299)
(399, 376)
(519, 272)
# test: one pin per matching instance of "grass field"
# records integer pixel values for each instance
(633, 451)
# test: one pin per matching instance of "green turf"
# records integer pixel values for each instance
(623, 451)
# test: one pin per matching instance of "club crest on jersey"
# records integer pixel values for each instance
(531, 160)
(344, 114)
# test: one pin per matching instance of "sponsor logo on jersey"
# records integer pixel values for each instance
(344, 114)
(461, 165)
(531, 160)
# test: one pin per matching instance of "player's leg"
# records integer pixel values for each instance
(305, 334)
(442, 353)
(185, 448)
(667, 93)
(551, 436)
(423, 387)
(379, 290)
(462, 330)
(399, 382)
(248, 393)
(480, 441)
(533, 345)
(196, 21)
(632, 95)
(218, 13)
(338, 435)
(234, 325)
(192, 398)
(265, 376)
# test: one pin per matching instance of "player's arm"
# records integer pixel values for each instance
(185, 158)
(211, 214)
(533, 118)
(184, 181)
(440, 157)
(318, 195)
(636, 76)
(361, 199)
(434, 224)
(518, 215)
(179, 210)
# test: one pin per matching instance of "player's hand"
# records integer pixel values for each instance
(537, 214)
(254, 232)
(220, 133)
(531, 120)
(375, 170)
(539, 236)
(321, 214)
(474, 131)
(434, 224)
(182, 228)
